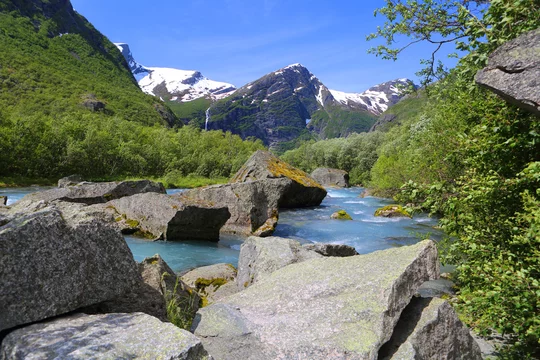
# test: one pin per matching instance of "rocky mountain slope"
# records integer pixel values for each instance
(292, 102)
(174, 84)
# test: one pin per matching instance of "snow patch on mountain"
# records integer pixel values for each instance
(175, 84)
(376, 99)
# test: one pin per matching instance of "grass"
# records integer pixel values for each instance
(186, 182)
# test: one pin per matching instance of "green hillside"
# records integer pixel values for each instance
(69, 104)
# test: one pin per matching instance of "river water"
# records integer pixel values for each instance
(365, 232)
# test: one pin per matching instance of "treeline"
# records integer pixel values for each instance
(74, 143)
(470, 157)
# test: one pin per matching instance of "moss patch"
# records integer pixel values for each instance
(392, 211)
(341, 215)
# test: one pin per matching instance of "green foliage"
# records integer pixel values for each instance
(180, 309)
(335, 121)
(46, 132)
(193, 112)
(355, 154)
(476, 160)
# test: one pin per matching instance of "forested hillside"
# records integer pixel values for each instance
(69, 104)
(466, 155)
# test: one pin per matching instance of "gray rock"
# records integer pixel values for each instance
(228, 289)
(3, 200)
(90, 193)
(302, 190)
(338, 250)
(513, 72)
(260, 257)
(207, 280)
(70, 180)
(327, 308)
(253, 206)
(53, 262)
(111, 336)
(159, 284)
(166, 217)
(430, 329)
(331, 177)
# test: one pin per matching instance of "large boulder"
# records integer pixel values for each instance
(513, 72)
(111, 336)
(90, 193)
(70, 180)
(260, 257)
(53, 262)
(331, 177)
(391, 211)
(165, 217)
(430, 329)
(207, 280)
(302, 189)
(253, 205)
(326, 308)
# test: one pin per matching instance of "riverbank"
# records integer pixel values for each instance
(186, 182)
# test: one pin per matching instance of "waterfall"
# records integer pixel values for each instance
(207, 118)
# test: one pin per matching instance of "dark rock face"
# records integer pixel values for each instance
(303, 190)
(382, 121)
(92, 193)
(324, 308)
(166, 217)
(430, 329)
(93, 105)
(253, 205)
(513, 72)
(331, 177)
(167, 115)
(337, 250)
(3, 200)
(53, 262)
(111, 336)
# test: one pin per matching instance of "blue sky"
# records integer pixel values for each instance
(238, 41)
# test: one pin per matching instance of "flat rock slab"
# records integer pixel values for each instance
(331, 177)
(327, 308)
(166, 217)
(430, 329)
(91, 193)
(513, 71)
(53, 262)
(111, 336)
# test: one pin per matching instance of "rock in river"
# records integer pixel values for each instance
(302, 190)
(325, 308)
(166, 217)
(111, 336)
(53, 262)
(331, 177)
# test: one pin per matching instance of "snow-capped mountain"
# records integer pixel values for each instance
(175, 84)
(376, 99)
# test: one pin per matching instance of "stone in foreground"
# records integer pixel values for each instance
(165, 217)
(3, 200)
(111, 336)
(513, 72)
(331, 177)
(430, 329)
(70, 180)
(53, 262)
(260, 257)
(302, 190)
(327, 308)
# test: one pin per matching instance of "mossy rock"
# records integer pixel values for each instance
(392, 211)
(341, 215)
